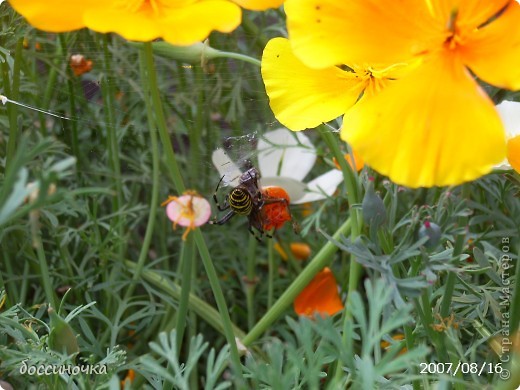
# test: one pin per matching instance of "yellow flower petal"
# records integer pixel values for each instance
(434, 127)
(493, 52)
(301, 97)
(513, 153)
(175, 25)
(141, 25)
(472, 13)
(259, 5)
(53, 15)
(195, 22)
(329, 32)
(181, 22)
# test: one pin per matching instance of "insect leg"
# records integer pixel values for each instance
(223, 220)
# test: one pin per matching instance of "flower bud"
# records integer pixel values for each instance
(433, 232)
(374, 210)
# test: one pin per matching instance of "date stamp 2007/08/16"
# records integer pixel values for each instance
(464, 368)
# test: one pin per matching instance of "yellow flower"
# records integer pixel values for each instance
(302, 97)
(434, 125)
(180, 22)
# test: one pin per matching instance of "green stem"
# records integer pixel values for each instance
(188, 260)
(44, 272)
(171, 161)
(221, 304)
(72, 107)
(12, 109)
(155, 179)
(51, 81)
(199, 239)
(457, 250)
(425, 312)
(250, 283)
(113, 148)
(238, 56)
(322, 258)
(197, 305)
(253, 30)
(354, 196)
(272, 269)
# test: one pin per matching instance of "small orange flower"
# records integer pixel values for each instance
(513, 152)
(320, 296)
(129, 378)
(397, 337)
(300, 250)
(80, 64)
(189, 210)
(275, 214)
(355, 163)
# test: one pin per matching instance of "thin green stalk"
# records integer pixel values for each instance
(171, 161)
(72, 107)
(272, 269)
(25, 284)
(155, 179)
(196, 305)
(199, 239)
(238, 56)
(322, 258)
(12, 109)
(188, 260)
(113, 148)
(354, 198)
(195, 132)
(428, 322)
(44, 272)
(457, 250)
(11, 288)
(50, 88)
(252, 30)
(221, 304)
(250, 283)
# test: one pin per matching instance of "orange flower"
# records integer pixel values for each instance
(80, 64)
(397, 337)
(355, 163)
(320, 296)
(274, 215)
(180, 22)
(300, 250)
(129, 378)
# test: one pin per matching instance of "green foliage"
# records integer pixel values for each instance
(76, 188)
(167, 368)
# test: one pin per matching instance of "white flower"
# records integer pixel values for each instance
(510, 114)
(284, 160)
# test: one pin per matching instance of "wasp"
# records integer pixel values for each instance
(247, 199)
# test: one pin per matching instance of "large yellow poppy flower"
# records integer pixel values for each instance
(432, 126)
(180, 22)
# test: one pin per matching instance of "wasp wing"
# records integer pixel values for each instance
(226, 167)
